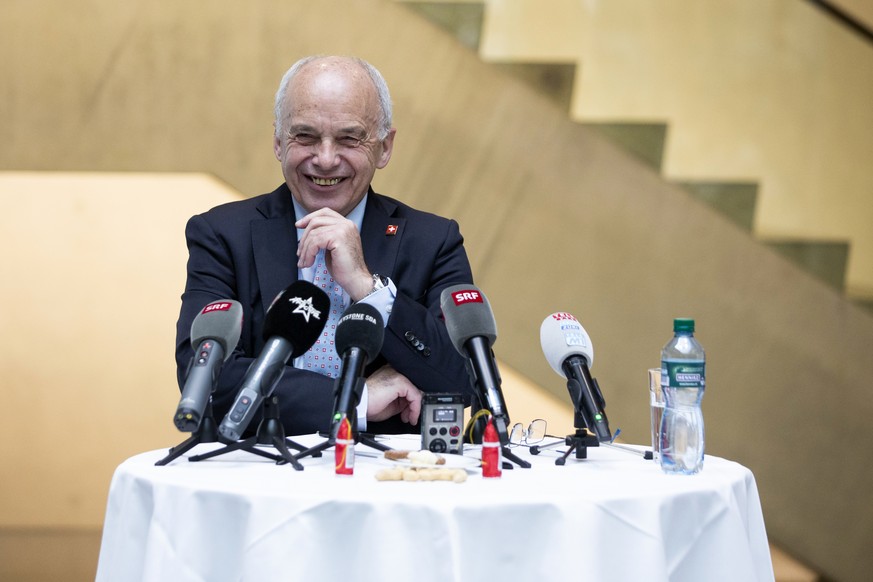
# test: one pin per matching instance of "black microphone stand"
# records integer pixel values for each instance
(508, 454)
(207, 432)
(346, 404)
(359, 437)
(270, 432)
(580, 440)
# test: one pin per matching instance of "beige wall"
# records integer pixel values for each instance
(554, 218)
(93, 266)
(859, 10)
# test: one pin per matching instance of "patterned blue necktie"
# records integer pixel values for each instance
(322, 357)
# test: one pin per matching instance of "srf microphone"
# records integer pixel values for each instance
(292, 324)
(472, 330)
(214, 334)
(569, 352)
(359, 335)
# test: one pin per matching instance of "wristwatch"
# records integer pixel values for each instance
(379, 282)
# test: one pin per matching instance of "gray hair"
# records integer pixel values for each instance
(385, 107)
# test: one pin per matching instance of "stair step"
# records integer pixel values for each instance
(735, 200)
(553, 80)
(462, 19)
(824, 260)
(645, 141)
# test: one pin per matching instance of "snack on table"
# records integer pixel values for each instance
(412, 474)
(423, 457)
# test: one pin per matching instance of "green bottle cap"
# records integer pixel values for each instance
(683, 324)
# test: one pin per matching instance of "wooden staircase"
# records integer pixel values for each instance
(607, 65)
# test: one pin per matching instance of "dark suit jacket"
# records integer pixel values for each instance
(246, 251)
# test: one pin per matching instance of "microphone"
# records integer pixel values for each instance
(472, 330)
(214, 333)
(293, 322)
(359, 335)
(569, 352)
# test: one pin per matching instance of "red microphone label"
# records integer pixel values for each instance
(471, 296)
(218, 306)
(561, 316)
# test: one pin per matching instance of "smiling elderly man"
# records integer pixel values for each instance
(325, 224)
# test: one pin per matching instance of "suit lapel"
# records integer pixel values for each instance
(274, 244)
(380, 245)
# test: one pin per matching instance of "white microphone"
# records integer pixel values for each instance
(567, 347)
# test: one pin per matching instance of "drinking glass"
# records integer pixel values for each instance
(656, 404)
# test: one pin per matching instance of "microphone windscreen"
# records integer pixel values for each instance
(467, 314)
(220, 321)
(562, 336)
(361, 326)
(298, 314)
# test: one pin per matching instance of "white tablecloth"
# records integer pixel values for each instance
(611, 517)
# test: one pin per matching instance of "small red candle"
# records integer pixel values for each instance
(344, 449)
(492, 458)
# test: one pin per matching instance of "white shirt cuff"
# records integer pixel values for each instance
(383, 300)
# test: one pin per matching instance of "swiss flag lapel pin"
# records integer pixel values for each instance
(391, 230)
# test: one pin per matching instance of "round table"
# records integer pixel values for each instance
(612, 516)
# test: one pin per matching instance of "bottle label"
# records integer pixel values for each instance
(683, 374)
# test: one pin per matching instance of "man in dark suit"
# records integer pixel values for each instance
(332, 132)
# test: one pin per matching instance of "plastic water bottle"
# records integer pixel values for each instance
(683, 380)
